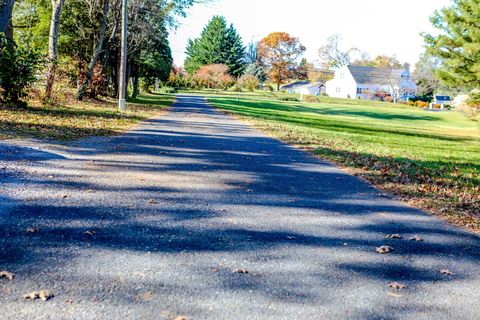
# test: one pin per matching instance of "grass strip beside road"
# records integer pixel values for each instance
(74, 120)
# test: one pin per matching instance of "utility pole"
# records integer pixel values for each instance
(122, 90)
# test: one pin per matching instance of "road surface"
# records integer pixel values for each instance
(196, 214)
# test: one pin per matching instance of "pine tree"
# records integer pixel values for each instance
(458, 45)
(236, 53)
(218, 44)
(257, 71)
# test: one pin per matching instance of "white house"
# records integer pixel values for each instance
(359, 82)
(305, 87)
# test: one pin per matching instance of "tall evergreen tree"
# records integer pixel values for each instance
(458, 45)
(218, 44)
(235, 53)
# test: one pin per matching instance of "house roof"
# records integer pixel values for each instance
(296, 84)
(301, 84)
(373, 75)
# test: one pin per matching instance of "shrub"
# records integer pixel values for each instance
(421, 104)
(469, 111)
(473, 100)
(214, 76)
(235, 88)
(248, 82)
(18, 66)
(288, 98)
(312, 99)
(166, 89)
(225, 82)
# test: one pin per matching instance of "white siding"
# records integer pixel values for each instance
(343, 85)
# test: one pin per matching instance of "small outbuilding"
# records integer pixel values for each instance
(305, 87)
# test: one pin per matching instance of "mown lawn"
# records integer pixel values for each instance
(431, 159)
(74, 120)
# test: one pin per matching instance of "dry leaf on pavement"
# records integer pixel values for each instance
(384, 249)
(416, 238)
(446, 272)
(241, 271)
(32, 230)
(396, 285)
(42, 294)
(6, 274)
(394, 236)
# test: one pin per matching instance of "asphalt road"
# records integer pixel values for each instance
(162, 221)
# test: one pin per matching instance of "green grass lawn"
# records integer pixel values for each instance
(73, 120)
(431, 159)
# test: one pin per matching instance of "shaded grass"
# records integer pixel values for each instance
(74, 120)
(431, 159)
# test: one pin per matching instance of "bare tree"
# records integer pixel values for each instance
(96, 53)
(57, 6)
(332, 56)
(392, 79)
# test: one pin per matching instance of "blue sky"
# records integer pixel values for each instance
(377, 26)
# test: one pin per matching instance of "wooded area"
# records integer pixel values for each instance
(76, 42)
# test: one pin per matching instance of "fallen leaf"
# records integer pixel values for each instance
(63, 196)
(5, 274)
(394, 236)
(241, 271)
(90, 191)
(45, 295)
(396, 285)
(69, 301)
(446, 272)
(396, 295)
(182, 318)
(32, 230)
(31, 296)
(214, 269)
(152, 201)
(384, 249)
(416, 238)
(42, 294)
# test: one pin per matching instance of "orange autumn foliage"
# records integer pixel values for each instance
(279, 53)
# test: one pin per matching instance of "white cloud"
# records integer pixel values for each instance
(376, 26)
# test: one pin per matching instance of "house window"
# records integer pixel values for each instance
(337, 90)
(359, 90)
(342, 75)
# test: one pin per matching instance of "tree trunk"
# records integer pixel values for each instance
(93, 61)
(6, 8)
(136, 87)
(57, 6)
(128, 74)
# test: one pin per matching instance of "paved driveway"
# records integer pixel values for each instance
(166, 221)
